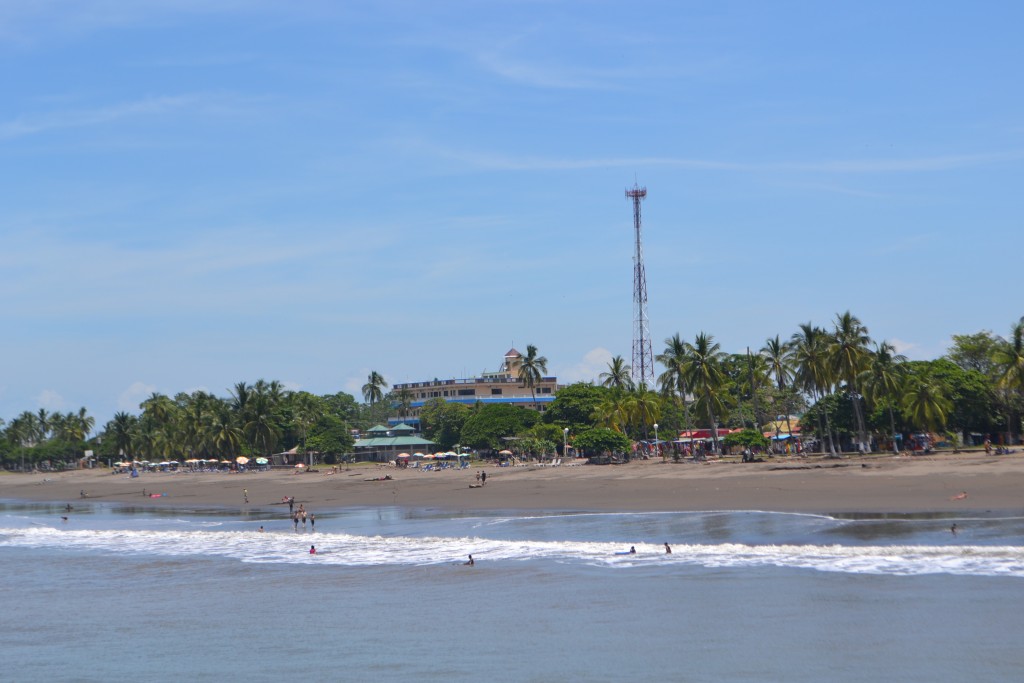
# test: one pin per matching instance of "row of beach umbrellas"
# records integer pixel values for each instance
(241, 460)
(431, 456)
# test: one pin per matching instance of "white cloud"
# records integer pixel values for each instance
(50, 400)
(594, 362)
(131, 397)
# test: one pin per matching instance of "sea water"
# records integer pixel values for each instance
(126, 593)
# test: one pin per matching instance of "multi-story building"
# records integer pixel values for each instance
(503, 386)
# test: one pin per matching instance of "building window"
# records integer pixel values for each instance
(467, 392)
(496, 391)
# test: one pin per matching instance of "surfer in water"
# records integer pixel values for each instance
(632, 550)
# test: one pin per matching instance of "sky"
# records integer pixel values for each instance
(195, 193)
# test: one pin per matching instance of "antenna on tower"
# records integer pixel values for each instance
(643, 355)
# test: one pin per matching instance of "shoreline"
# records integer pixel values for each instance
(869, 484)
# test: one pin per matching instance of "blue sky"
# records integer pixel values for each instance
(195, 193)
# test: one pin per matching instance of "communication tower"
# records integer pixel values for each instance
(643, 356)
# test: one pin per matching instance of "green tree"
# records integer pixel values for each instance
(924, 403)
(488, 425)
(848, 354)
(531, 369)
(975, 351)
(882, 380)
(1008, 359)
(373, 389)
(673, 379)
(779, 357)
(703, 372)
(574, 405)
(599, 441)
(813, 373)
(617, 376)
(442, 422)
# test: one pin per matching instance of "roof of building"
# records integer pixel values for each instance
(392, 441)
(512, 353)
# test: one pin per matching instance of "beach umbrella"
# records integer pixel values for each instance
(450, 454)
(225, 462)
(261, 461)
(300, 465)
(191, 461)
(242, 460)
(403, 455)
(417, 455)
(428, 456)
(505, 452)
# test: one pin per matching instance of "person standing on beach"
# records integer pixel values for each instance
(291, 505)
(245, 493)
(483, 478)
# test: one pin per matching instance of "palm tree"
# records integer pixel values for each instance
(531, 369)
(813, 374)
(373, 389)
(779, 356)
(222, 432)
(1009, 362)
(404, 398)
(307, 411)
(849, 356)
(703, 372)
(882, 381)
(121, 428)
(674, 359)
(262, 425)
(85, 422)
(924, 403)
(617, 376)
(643, 407)
(612, 412)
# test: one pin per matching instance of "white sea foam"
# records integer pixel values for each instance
(356, 551)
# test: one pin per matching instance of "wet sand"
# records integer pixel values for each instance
(813, 484)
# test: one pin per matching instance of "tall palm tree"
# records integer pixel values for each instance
(813, 373)
(85, 422)
(121, 429)
(404, 399)
(531, 369)
(882, 381)
(617, 376)
(373, 389)
(849, 356)
(703, 373)
(307, 412)
(673, 358)
(1009, 362)
(779, 355)
(262, 428)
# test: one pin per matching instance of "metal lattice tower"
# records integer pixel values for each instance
(643, 356)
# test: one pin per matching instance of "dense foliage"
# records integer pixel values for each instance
(848, 390)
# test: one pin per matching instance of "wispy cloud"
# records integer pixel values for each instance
(500, 162)
(593, 363)
(50, 399)
(135, 394)
(151, 106)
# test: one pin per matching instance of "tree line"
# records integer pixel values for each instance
(849, 391)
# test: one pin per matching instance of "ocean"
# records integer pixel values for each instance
(128, 593)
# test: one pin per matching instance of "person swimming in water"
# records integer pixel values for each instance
(469, 562)
(632, 550)
(668, 549)
(312, 550)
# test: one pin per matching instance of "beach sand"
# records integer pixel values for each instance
(814, 484)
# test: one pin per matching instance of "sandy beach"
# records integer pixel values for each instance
(814, 484)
